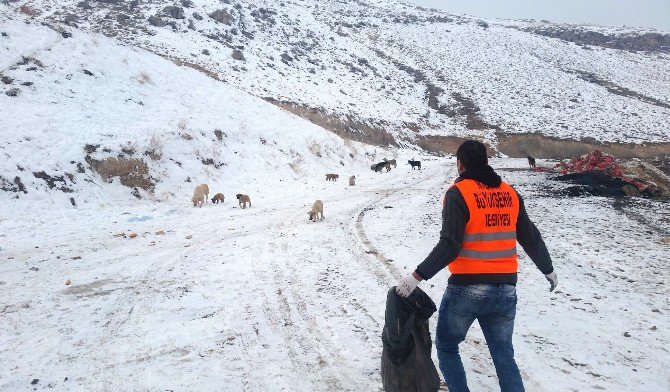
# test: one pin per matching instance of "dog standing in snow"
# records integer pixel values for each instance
(414, 164)
(531, 162)
(200, 194)
(391, 162)
(218, 198)
(243, 200)
(317, 208)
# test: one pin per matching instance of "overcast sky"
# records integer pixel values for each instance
(634, 13)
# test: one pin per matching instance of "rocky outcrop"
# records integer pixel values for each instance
(221, 16)
(174, 12)
(620, 90)
(648, 42)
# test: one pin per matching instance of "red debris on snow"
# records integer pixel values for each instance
(600, 162)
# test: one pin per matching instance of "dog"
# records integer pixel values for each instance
(218, 198)
(377, 167)
(200, 194)
(531, 162)
(243, 200)
(414, 164)
(391, 162)
(317, 208)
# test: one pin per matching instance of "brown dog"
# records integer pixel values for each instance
(218, 198)
(243, 200)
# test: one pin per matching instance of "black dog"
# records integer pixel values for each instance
(531, 162)
(380, 166)
(415, 164)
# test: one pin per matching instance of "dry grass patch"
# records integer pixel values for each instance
(155, 149)
(144, 78)
(132, 172)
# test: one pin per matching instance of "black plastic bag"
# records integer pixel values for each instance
(406, 362)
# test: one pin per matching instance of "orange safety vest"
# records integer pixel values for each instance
(489, 243)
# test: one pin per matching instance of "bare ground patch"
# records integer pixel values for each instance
(446, 144)
(539, 146)
(132, 172)
(346, 127)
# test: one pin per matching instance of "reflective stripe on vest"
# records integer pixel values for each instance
(489, 243)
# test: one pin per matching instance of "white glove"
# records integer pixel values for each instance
(553, 279)
(406, 285)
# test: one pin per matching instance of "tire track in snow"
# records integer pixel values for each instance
(136, 301)
(297, 301)
(289, 316)
(365, 242)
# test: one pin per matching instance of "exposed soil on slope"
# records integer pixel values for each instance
(539, 146)
(132, 172)
(446, 144)
(346, 127)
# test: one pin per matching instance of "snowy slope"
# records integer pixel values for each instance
(89, 90)
(398, 66)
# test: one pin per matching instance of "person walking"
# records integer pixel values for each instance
(482, 220)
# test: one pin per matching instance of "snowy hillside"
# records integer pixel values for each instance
(82, 108)
(376, 69)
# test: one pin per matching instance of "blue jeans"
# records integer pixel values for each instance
(494, 306)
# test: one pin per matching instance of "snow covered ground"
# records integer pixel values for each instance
(261, 299)
(605, 327)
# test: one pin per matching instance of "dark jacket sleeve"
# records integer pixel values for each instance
(454, 218)
(531, 241)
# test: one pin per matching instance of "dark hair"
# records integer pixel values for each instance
(472, 154)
